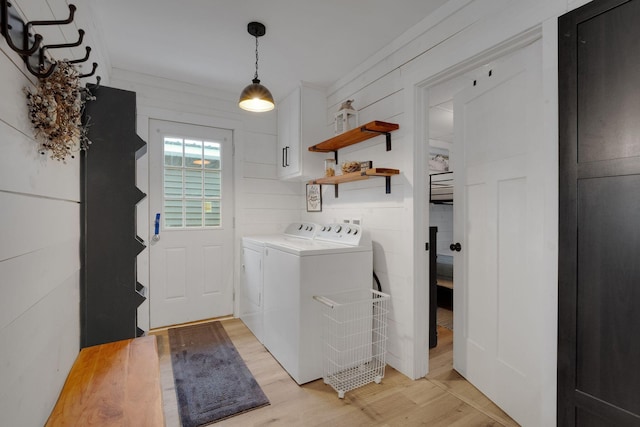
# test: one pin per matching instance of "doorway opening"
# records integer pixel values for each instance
(498, 207)
(435, 133)
(440, 178)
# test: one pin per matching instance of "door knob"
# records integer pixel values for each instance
(455, 247)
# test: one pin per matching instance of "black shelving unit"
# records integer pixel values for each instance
(110, 293)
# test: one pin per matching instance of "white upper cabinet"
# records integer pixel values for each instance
(301, 124)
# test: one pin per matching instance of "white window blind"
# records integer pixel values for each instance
(192, 183)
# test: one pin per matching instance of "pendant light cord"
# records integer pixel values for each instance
(256, 76)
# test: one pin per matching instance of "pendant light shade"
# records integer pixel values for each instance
(256, 97)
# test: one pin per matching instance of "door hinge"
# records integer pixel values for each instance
(426, 246)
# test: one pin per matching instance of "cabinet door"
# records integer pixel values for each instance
(284, 136)
(288, 154)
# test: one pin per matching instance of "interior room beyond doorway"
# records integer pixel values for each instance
(440, 179)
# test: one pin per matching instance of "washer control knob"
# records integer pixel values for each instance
(338, 228)
(349, 230)
(324, 228)
(301, 225)
(328, 228)
(355, 231)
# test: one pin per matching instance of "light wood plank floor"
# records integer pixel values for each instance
(444, 398)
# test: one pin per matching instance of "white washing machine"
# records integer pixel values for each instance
(251, 284)
(338, 258)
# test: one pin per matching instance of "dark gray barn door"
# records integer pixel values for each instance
(599, 248)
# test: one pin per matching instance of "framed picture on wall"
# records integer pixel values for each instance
(438, 160)
(314, 198)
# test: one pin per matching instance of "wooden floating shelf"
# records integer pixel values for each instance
(355, 176)
(358, 176)
(354, 136)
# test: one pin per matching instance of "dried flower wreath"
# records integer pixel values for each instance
(55, 110)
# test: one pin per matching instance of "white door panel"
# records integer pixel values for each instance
(191, 276)
(497, 211)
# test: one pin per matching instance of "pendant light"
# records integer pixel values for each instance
(256, 97)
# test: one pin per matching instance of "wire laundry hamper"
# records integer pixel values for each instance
(355, 338)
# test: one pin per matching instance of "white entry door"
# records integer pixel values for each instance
(498, 217)
(191, 187)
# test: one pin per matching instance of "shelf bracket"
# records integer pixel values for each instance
(335, 155)
(387, 184)
(335, 189)
(387, 134)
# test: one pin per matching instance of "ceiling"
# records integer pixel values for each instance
(205, 42)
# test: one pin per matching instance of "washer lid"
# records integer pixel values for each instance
(302, 247)
(298, 230)
(262, 240)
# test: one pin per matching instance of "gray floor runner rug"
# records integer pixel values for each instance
(212, 381)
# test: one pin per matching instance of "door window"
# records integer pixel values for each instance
(192, 183)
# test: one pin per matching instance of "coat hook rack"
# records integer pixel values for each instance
(39, 71)
(63, 45)
(93, 71)
(13, 27)
(8, 24)
(86, 57)
(69, 20)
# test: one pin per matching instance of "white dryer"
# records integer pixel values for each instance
(251, 283)
(338, 258)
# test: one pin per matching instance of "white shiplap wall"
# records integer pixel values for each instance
(39, 237)
(263, 204)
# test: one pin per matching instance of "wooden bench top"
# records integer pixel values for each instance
(114, 384)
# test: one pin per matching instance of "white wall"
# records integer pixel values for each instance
(263, 204)
(39, 239)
